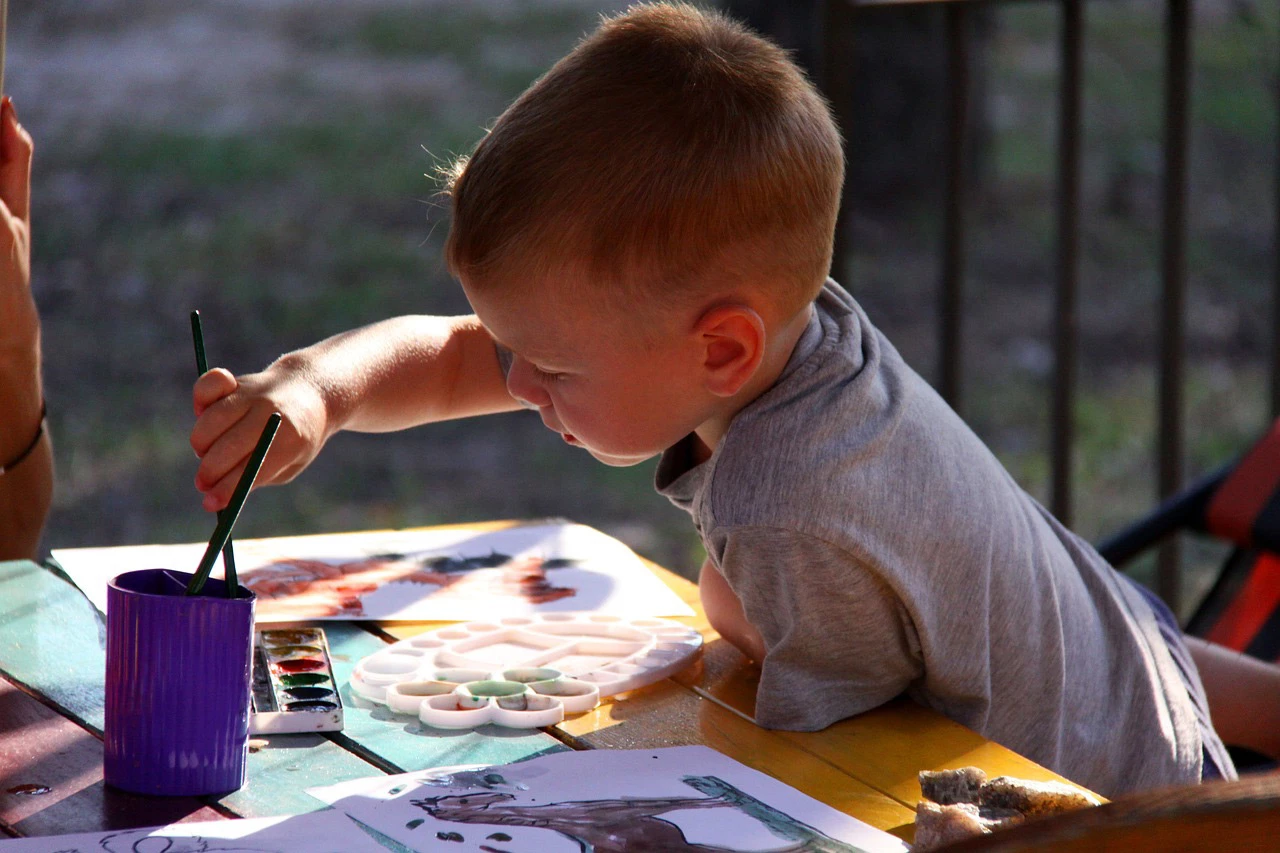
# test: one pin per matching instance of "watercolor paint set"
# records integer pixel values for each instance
(293, 685)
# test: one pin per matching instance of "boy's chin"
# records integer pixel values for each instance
(620, 461)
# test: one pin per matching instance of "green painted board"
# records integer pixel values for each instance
(50, 641)
(402, 741)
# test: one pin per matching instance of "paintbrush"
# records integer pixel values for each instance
(227, 518)
(202, 367)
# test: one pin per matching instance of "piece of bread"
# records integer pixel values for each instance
(1033, 798)
(964, 803)
(948, 787)
(937, 825)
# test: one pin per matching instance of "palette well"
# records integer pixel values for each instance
(523, 671)
(293, 685)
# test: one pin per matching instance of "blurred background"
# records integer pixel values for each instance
(270, 163)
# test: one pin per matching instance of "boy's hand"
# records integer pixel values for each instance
(230, 415)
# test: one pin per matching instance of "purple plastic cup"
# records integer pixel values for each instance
(179, 672)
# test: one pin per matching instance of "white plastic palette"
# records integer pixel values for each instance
(523, 671)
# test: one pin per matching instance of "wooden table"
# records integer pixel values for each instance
(51, 714)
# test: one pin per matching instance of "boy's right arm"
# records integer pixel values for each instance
(724, 612)
(390, 375)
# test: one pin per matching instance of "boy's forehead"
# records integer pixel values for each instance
(532, 321)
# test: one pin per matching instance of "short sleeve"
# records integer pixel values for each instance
(838, 641)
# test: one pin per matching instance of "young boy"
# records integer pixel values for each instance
(645, 237)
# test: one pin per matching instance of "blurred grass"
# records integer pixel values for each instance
(316, 214)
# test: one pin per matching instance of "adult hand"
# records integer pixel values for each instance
(21, 324)
(26, 486)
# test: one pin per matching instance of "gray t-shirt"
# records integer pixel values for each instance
(880, 549)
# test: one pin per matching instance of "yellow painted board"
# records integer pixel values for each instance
(885, 748)
(669, 715)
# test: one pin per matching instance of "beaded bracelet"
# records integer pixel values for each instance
(26, 451)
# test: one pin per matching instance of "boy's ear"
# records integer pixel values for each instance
(731, 341)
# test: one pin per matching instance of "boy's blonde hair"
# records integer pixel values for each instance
(673, 152)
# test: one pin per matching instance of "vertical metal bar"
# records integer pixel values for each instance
(1066, 322)
(1174, 275)
(835, 77)
(1275, 295)
(949, 315)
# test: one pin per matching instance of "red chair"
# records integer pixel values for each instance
(1239, 504)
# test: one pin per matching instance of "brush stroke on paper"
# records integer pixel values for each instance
(678, 799)
(430, 574)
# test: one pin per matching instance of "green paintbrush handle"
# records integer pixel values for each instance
(202, 367)
(197, 335)
(227, 518)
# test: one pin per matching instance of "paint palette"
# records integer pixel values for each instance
(293, 685)
(523, 671)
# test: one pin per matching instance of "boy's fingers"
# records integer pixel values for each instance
(214, 422)
(217, 498)
(15, 162)
(212, 387)
(231, 449)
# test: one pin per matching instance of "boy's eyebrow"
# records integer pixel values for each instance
(545, 359)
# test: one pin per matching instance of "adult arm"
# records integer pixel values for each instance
(26, 486)
(390, 375)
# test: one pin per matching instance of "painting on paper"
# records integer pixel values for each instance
(450, 573)
(688, 798)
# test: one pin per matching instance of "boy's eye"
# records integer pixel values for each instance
(546, 375)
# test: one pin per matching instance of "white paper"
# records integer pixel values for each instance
(553, 567)
(326, 831)
(660, 799)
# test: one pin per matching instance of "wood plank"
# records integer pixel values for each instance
(667, 714)
(886, 748)
(40, 748)
(907, 737)
(54, 646)
(50, 642)
(51, 638)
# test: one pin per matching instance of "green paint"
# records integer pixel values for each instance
(305, 679)
(49, 642)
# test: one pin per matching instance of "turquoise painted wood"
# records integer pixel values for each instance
(49, 640)
(402, 741)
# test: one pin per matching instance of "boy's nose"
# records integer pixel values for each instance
(522, 385)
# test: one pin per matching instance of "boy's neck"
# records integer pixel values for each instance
(779, 349)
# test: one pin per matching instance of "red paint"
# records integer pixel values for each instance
(300, 665)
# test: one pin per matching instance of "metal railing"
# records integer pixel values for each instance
(839, 24)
